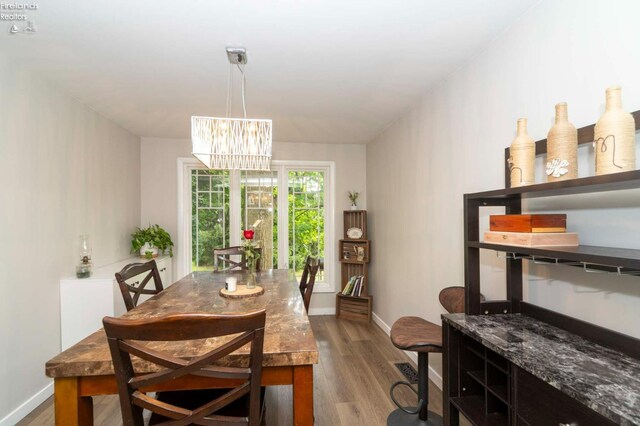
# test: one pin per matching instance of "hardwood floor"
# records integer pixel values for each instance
(351, 381)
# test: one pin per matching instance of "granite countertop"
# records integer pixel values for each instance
(288, 336)
(604, 379)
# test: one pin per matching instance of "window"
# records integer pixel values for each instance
(259, 194)
(210, 215)
(288, 228)
(306, 217)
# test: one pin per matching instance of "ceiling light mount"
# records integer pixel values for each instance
(237, 55)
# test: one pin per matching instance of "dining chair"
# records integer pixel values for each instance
(137, 288)
(308, 279)
(126, 336)
(223, 260)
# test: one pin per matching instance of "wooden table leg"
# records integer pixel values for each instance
(303, 395)
(71, 408)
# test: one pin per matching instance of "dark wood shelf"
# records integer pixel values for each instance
(499, 382)
(478, 376)
(498, 367)
(603, 183)
(500, 391)
(628, 259)
(472, 407)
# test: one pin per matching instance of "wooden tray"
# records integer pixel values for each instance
(242, 291)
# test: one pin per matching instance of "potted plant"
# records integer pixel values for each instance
(151, 241)
(353, 197)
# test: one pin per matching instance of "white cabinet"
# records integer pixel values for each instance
(84, 302)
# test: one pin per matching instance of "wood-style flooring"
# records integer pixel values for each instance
(351, 381)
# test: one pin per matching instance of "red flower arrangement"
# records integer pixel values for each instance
(248, 234)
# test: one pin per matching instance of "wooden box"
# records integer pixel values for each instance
(349, 250)
(536, 223)
(354, 308)
(355, 219)
(530, 239)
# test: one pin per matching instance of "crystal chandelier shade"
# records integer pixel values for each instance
(232, 143)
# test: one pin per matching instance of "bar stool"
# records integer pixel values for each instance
(419, 335)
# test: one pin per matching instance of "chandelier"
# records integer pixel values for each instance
(232, 143)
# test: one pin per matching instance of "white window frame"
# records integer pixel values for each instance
(185, 166)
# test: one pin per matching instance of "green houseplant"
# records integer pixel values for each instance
(150, 241)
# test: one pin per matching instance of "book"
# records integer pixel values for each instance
(347, 288)
(530, 239)
(354, 286)
(533, 223)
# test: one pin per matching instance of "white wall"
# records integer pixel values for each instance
(159, 186)
(453, 143)
(65, 171)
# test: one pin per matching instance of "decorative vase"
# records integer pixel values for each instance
(614, 137)
(354, 207)
(522, 157)
(251, 276)
(562, 147)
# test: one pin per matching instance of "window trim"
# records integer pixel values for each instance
(183, 250)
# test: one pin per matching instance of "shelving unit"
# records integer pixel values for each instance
(481, 384)
(354, 307)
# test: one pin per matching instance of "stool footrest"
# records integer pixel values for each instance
(406, 410)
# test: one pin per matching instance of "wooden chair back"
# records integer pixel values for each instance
(308, 279)
(131, 292)
(125, 335)
(223, 261)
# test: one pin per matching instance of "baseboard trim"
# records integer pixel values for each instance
(433, 374)
(28, 406)
(322, 311)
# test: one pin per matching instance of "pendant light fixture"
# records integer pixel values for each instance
(232, 143)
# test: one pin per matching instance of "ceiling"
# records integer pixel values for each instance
(331, 71)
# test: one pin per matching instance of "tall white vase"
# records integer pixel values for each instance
(562, 147)
(614, 135)
(522, 157)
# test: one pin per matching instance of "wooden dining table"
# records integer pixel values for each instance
(85, 370)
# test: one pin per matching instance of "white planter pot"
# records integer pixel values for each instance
(147, 247)
(354, 207)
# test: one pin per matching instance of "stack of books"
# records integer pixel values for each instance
(354, 286)
(530, 230)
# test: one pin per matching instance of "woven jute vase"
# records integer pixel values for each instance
(562, 147)
(522, 157)
(614, 136)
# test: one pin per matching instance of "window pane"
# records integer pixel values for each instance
(210, 216)
(259, 212)
(306, 217)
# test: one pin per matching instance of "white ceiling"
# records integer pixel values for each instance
(333, 71)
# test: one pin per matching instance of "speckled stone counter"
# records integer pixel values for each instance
(288, 340)
(605, 380)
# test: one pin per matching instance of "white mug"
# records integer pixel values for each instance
(230, 284)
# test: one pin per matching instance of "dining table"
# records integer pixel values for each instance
(86, 370)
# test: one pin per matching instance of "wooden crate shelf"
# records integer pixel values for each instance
(349, 307)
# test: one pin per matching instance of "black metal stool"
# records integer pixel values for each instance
(416, 334)
(419, 335)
